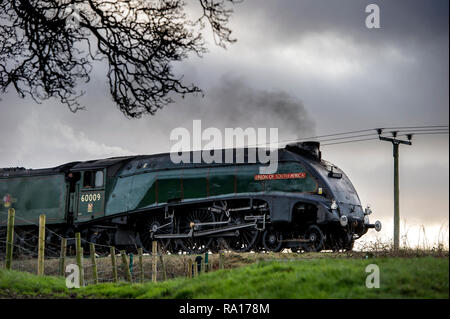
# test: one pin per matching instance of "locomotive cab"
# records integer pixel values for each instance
(90, 194)
(88, 188)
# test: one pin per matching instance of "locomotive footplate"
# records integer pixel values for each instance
(201, 233)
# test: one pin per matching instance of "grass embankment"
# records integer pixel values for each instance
(175, 265)
(424, 277)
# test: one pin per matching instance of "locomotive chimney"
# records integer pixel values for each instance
(309, 149)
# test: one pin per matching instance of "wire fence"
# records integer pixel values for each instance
(142, 266)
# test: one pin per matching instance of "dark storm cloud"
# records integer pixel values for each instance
(322, 52)
(400, 20)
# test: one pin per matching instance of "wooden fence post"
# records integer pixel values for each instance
(62, 257)
(114, 264)
(154, 260)
(10, 238)
(131, 264)
(221, 260)
(125, 265)
(195, 269)
(141, 264)
(79, 253)
(189, 268)
(163, 266)
(93, 262)
(202, 269)
(41, 245)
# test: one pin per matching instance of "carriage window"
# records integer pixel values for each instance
(93, 179)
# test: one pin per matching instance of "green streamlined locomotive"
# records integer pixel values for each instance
(308, 204)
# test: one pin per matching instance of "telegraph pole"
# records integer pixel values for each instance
(395, 143)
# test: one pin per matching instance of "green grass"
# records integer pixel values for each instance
(424, 277)
(15, 284)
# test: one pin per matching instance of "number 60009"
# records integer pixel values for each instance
(90, 197)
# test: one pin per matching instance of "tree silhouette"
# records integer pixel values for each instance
(48, 46)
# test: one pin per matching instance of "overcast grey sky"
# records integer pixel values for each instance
(307, 67)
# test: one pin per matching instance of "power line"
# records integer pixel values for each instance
(399, 129)
(350, 138)
(347, 137)
(360, 140)
(412, 127)
(369, 130)
(424, 128)
(427, 133)
(376, 138)
(329, 135)
(372, 134)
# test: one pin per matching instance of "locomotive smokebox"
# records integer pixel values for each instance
(309, 149)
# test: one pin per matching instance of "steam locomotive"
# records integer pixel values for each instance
(309, 204)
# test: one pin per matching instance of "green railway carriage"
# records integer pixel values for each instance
(307, 204)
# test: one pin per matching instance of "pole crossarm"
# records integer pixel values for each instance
(395, 141)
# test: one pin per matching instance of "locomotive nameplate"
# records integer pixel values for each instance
(265, 177)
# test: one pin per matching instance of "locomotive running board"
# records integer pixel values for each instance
(205, 232)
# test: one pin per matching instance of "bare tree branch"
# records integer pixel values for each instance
(48, 46)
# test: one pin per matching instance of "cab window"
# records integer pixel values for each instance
(93, 179)
(98, 178)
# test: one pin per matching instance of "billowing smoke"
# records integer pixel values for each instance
(234, 103)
